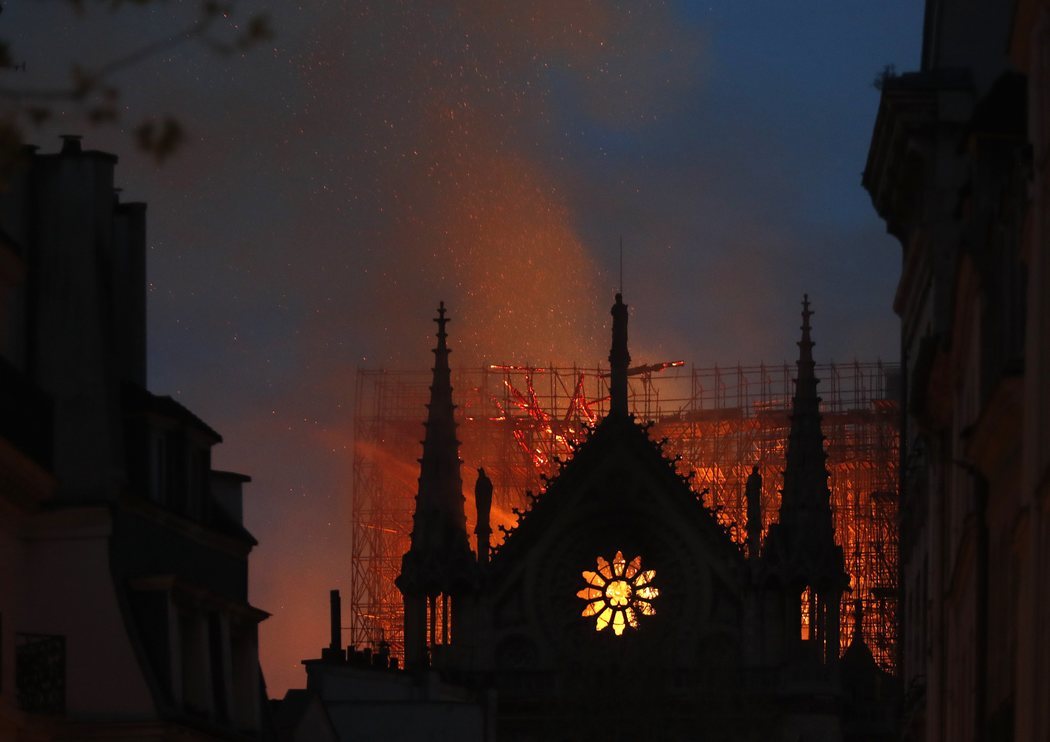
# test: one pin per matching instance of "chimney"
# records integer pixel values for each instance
(334, 651)
(71, 144)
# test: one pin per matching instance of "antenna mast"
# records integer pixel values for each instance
(621, 264)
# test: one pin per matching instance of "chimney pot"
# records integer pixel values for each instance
(71, 144)
(336, 610)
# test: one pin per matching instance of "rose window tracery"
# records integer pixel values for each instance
(618, 593)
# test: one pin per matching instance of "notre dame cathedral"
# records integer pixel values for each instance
(620, 608)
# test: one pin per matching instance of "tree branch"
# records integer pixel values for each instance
(85, 82)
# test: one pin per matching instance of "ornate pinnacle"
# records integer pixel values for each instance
(439, 559)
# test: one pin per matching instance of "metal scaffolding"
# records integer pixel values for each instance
(517, 421)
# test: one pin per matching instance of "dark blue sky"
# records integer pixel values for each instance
(378, 157)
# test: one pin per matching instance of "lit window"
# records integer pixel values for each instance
(807, 605)
(618, 592)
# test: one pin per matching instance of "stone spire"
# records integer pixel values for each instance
(800, 548)
(806, 474)
(619, 360)
(805, 519)
(439, 559)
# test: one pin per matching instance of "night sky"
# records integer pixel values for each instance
(377, 157)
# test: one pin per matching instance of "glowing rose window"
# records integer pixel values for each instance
(618, 592)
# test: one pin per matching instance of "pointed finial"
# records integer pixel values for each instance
(858, 620)
(621, 264)
(805, 343)
(442, 350)
(441, 319)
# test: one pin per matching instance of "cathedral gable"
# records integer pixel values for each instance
(679, 579)
(619, 589)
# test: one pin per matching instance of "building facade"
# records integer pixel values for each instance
(958, 168)
(619, 606)
(123, 559)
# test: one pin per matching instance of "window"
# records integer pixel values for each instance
(439, 626)
(808, 613)
(216, 656)
(177, 471)
(618, 593)
(159, 469)
(40, 673)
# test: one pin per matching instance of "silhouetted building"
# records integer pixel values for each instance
(123, 559)
(367, 697)
(619, 607)
(301, 717)
(958, 168)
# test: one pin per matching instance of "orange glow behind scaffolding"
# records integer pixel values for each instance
(518, 421)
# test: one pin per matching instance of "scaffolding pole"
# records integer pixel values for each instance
(517, 421)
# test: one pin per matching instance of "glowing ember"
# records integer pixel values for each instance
(618, 592)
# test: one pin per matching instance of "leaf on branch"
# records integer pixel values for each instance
(257, 31)
(82, 82)
(210, 8)
(38, 114)
(115, 4)
(101, 114)
(887, 74)
(160, 138)
(219, 47)
(96, 99)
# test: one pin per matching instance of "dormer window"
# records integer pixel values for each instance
(179, 472)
